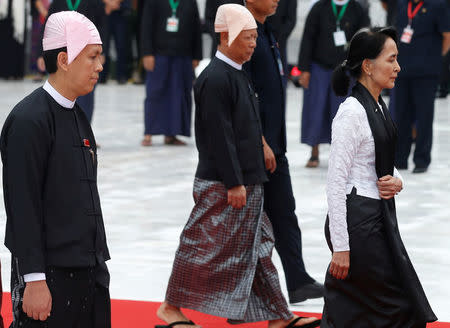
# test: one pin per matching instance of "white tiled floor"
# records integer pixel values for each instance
(147, 196)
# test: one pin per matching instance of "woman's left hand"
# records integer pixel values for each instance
(388, 186)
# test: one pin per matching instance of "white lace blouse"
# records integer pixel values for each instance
(351, 164)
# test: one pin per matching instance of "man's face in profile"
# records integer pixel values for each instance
(83, 72)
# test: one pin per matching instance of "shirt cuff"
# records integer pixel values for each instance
(37, 276)
(398, 175)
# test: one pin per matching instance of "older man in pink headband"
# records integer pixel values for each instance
(223, 263)
(54, 226)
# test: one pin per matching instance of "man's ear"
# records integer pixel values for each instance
(62, 60)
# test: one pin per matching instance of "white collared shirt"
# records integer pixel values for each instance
(351, 164)
(59, 98)
(227, 60)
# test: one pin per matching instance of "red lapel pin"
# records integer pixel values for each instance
(86, 143)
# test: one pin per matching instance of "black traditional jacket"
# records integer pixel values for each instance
(227, 127)
(52, 203)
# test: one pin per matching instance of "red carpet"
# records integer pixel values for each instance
(137, 314)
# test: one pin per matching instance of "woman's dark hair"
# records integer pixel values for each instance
(365, 44)
(51, 59)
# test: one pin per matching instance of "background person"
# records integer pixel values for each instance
(172, 49)
(283, 23)
(266, 72)
(424, 27)
(329, 26)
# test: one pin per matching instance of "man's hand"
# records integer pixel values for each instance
(237, 196)
(195, 63)
(149, 63)
(388, 186)
(340, 263)
(269, 157)
(37, 300)
(41, 64)
(304, 79)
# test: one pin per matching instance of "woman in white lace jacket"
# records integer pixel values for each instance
(370, 281)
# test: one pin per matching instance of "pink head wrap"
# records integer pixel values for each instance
(234, 19)
(69, 29)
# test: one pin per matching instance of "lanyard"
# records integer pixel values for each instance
(71, 6)
(341, 12)
(412, 14)
(174, 5)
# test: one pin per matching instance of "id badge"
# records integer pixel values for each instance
(339, 38)
(172, 24)
(280, 67)
(407, 34)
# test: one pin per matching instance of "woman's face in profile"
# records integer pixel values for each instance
(385, 66)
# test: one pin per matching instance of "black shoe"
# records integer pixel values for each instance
(312, 290)
(420, 169)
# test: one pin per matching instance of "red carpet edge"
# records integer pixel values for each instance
(140, 314)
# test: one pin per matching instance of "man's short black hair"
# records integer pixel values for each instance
(51, 59)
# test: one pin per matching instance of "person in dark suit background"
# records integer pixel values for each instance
(420, 56)
(211, 7)
(283, 23)
(117, 27)
(266, 72)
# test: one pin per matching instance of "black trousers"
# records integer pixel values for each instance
(78, 301)
(279, 204)
(117, 28)
(412, 102)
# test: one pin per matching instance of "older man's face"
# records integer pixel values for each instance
(244, 45)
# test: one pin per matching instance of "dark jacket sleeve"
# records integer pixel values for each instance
(248, 68)
(364, 17)
(197, 46)
(216, 104)
(100, 20)
(147, 28)
(289, 19)
(25, 146)
(309, 38)
(210, 16)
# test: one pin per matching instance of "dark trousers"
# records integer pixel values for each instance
(117, 28)
(78, 301)
(86, 103)
(412, 102)
(279, 204)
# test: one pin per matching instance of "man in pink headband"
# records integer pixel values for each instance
(223, 264)
(54, 227)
